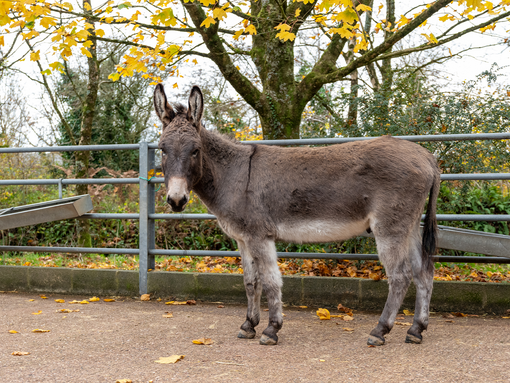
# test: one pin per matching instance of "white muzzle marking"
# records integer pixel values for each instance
(177, 189)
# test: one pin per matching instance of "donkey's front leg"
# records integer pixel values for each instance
(253, 292)
(264, 254)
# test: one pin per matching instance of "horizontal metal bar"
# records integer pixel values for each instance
(73, 181)
(341, 140)
(476, 176)
(181, 216)
(472, 217)
(93, 250)
(110, 216)
(71, 148)
(212, 253)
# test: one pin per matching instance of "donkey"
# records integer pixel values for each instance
(262, 194)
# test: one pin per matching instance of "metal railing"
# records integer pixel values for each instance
(147, 217)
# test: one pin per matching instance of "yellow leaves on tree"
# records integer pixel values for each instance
(35, 56)
(207, 22)
(431, 38)
(284, 33)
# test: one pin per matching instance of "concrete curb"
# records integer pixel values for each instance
(361, 294)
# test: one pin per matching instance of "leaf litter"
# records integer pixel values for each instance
(169, 359)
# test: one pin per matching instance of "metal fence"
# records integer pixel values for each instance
(147, 217)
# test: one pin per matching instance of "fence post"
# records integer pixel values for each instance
(146, 235)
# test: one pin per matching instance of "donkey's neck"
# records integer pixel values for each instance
(224, 163)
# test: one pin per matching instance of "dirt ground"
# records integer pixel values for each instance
(105, 342)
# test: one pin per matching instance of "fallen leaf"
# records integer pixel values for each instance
(343, 309)
(459, 314)
(43, 297)
(168, 315)
(348, 329)
(323, 314)
(145, 297)
(266, 309)
(123, 381)
(94, 299)
(322, 360)
(37, 313)
(13, 331)
(40, 330)
(347, 318)
(84, 302)
(220, 306)
(448, 316)
(67, 311)
(170, 359)
(206, 341)
(501, 317)
(303, 307)
(20, 353)
(74, 302)
(449, 321)
(176, 303)
(109, 300)
(159, 299)
(408, 313)
(191, 302)
(371, 345)
(59, 300)
(31, 300)
(403, 323)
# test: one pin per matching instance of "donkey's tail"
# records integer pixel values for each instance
(429, 239)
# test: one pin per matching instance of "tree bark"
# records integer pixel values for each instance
(89, 107)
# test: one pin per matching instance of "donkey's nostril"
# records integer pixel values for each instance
(178, 205)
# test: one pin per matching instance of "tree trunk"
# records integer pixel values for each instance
(82, 158)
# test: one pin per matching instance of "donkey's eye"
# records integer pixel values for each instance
(195, 153)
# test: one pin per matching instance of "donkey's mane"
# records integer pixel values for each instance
(179, 108)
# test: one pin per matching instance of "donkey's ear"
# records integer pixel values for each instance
(195, 106)
(163, 109)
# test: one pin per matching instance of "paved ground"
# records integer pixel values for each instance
(104, 342)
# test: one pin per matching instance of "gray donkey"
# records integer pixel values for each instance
(263, 194)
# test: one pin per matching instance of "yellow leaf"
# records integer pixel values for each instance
(347, 318)
(208, 2)
(298, 12)
(13, 331)
(207, 22)
(170, 359)
(20, 353)
(34, 56)
(348, 329)
(123, 381)
(40, 330)
(363, 8)
(84, 302)
(219, 14)
(408, 313)
(109, 300)
(206, 341)
(99, 33)
(145, 297)
(87, 6)
(175, 85)
(114, 77)
(31, 300)
(42, 296)
(59, 300)
(47, 22)
(444, 18)
(403, 323)
(284, 36)
(431, 38)
(37, 313)
(176, 303)
(251, 29)
(323, 314)
(168, 315)
(94, 299)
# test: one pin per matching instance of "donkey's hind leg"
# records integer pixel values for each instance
(393, 254)
(264, 255)
(423, 277)
(253, 292)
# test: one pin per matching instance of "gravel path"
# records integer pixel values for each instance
(104, 342)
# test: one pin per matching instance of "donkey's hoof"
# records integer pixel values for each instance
(410, 338)
(245, 334)
(375, 341)
(267, 341)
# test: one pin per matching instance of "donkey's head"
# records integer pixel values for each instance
(180, 145)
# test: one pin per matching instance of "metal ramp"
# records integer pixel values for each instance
(42, 212)
(472, 241)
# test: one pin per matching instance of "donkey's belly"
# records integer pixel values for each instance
(319, 231)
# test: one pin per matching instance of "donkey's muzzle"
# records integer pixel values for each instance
(179, 205)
